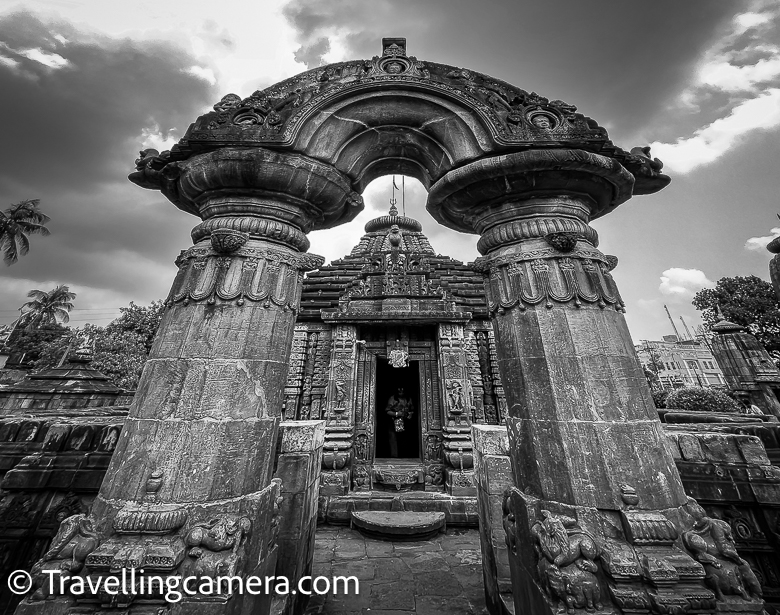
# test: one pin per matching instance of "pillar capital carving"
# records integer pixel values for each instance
(262, 194)
(531, 195)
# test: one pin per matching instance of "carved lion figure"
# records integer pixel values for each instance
(75, 540)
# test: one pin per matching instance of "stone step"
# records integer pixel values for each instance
(398, 526)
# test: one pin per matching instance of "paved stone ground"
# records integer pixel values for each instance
(431, 577)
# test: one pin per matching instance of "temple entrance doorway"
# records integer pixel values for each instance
(397, 428)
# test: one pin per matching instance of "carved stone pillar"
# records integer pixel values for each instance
(339, 412)
(189, 489)
(598, 511)
(459, 407)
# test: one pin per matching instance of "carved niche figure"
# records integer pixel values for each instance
(712, 544)
(567, 566)
(214, 547)
(455, 397)
(398, 356)
(432, 448)
(361, 446)
(74, 541)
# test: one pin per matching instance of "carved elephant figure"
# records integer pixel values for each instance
(725, 578)
(574, 585)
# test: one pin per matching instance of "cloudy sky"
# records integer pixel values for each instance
(86, 83)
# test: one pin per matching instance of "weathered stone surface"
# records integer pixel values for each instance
(398, 525)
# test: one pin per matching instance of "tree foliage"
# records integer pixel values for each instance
(119, 355)
(747, 301)
(16, 224)
(47, 308)
(119, 350)
(698, 399)
(141, 320)
(33, 342)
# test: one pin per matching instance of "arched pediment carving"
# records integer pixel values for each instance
(396, 114)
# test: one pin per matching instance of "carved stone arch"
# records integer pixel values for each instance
(400, 128)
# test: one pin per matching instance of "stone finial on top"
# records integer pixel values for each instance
(393, 46)
(722, 325)
(393, 209)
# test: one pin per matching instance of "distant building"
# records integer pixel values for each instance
(679, 363)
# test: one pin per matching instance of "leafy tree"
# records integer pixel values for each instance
(698, 399)
(47, 308)
(660, 397)
(747, 301)
(119, 350)
(16, 223)
(143, 321)
(33, 342)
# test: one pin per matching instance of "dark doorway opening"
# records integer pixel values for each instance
(388, 380)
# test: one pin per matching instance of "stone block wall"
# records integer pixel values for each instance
(50, 468)
(733, 478)
(493, 474)
(298, 467)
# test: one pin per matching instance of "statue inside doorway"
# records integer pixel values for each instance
(399, 408)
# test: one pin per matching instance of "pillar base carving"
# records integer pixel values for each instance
(150, 541)
(627, 561)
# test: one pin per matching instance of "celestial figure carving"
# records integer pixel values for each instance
(712, 544)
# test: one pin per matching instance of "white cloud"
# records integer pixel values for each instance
(712, 141)
(745, 70)
(153, 136)
(758, 244)
(52, 60)
(206, 74)
(683, 283)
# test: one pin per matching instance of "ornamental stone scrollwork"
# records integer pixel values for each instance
(263, 276)
(398, 357)
(278, 114)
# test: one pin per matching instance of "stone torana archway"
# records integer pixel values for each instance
(598, 518)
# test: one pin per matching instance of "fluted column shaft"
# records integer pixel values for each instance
(582, 421)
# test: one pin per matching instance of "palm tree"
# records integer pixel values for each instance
(47, 308)
(16, 223)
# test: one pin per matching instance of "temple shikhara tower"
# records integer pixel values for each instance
(279, 389)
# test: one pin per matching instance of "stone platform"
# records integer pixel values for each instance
(440, 576)
(458, 510)
(398, 526)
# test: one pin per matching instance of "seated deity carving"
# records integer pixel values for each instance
(566, 565)
(712, 544)
(75, 540)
